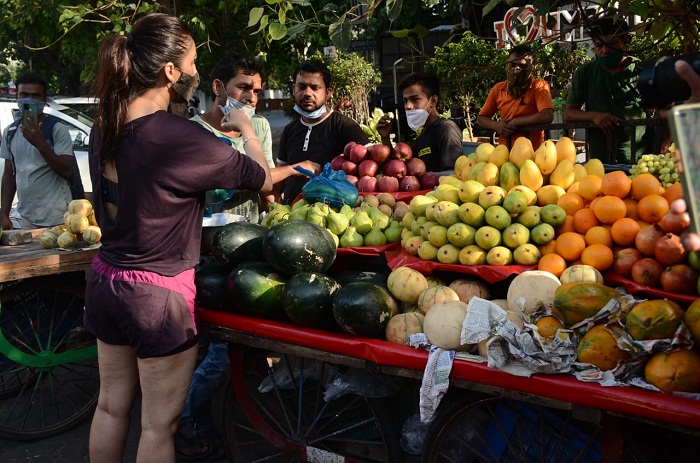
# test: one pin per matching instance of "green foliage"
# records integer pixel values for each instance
(353, 80)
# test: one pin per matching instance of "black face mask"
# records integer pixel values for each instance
(186, 85)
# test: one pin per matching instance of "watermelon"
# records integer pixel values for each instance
(364, 309)
(256, 288)
(351, 276)
(308, 299)
(296, 246)
(211, 281)
(238, 242)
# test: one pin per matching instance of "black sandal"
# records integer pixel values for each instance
(195, 448)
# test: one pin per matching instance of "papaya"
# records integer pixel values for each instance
(574, 302)
(654, 319)
(692, 320)
(675, 371)
(599, 347)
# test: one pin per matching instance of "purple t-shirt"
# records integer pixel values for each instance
(165, 164)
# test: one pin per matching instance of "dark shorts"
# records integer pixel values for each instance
(152, 313)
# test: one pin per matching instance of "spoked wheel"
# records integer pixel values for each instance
(504, 430)
(291, 422)
(49, 378)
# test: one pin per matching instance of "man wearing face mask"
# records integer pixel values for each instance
(36, 171)
(604, 92)
(236, 83)
(318, 135)
(439, 140)
(521, 100)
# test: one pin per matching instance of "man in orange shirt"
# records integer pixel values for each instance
(522, 100)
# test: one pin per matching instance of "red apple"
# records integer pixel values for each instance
(367, 167)
(388, 184)
(402, 151)
(379, 153)
(415, 167)
(352, 179)
(409, 183)
(349, 167)
(367, 184)
(348, 147)
(429, 181)
(394, 168)
(337, 162)
(358, 153)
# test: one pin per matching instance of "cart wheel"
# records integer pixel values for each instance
(49, 379)
(290, 424)
(496, 430)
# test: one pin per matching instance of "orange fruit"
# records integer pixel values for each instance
(570, 245)
(652, 207)
(644, 185)
(673, 192)
(598, 235)
(548, 248)
(584, 219)
(573, 188)
(589, 187)
(548, 325)
(552, 262)
(598, 256)
(624, 231)
(617, 184)
(631, 205)
(570, 202)
(567, 226)
(609, 209)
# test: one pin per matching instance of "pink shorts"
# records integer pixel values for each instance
(152, 313)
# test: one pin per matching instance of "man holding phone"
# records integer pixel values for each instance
(34, 170)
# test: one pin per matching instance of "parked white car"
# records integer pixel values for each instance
(78, 124)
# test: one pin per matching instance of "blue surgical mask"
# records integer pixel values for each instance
(39, 107)
(610, 61)
(232, 103)
(313, 114)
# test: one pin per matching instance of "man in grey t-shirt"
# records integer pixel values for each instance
(36, 171)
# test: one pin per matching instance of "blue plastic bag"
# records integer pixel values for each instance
(330, 186)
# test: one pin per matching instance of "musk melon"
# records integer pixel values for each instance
(406, 284)
(434, 294)
(296, 246)
(211, 281)
(256, 289)
(574, 302)
(654, 319)
(581, 273)
(238, 242)
(443, 325)
(402, 326)
(308, 299)
(364, 309)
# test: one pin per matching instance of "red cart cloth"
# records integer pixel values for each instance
(651, 405)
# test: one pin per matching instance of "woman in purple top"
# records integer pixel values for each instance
(150, 170)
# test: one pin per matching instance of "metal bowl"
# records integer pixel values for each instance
(210, 225)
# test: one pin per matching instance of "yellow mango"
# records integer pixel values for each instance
(579, 172)
(448, 192)
(546, 157)
(549, 194)
(531, 195)
(530, 175)
(509, 176)
(573, 188)
(565, 150)
(488, 175)
(460, 162)
(563, 174)
(467, 168)
(449, 180)
(595, 167)
(521, 150)
(474, 173)
(499, 155)
(483, 151)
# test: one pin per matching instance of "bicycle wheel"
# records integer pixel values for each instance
(505, 430)
(292, 423)
(49, 380)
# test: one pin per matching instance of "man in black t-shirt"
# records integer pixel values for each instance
(439, 140)
(318, 135)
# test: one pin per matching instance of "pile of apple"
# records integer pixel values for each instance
(379, 168)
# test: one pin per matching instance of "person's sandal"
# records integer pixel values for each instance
(195, 448)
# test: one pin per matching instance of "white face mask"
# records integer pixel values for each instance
(232, 103)
(313, 114)
(416, 118)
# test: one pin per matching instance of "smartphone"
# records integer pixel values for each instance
(684, 121)
(29, 112)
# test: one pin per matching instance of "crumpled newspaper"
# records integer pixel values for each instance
(436, 377)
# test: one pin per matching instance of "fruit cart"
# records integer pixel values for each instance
(582, 421)
(48, 367)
